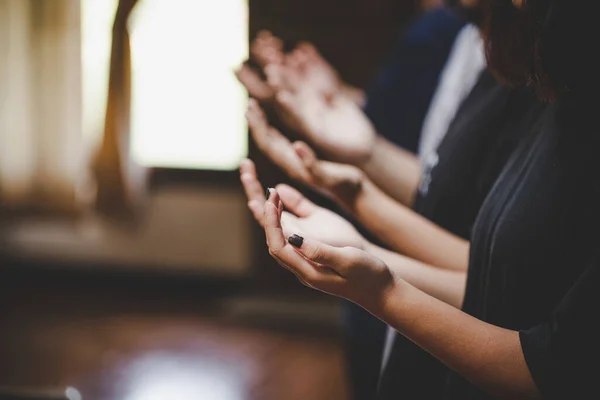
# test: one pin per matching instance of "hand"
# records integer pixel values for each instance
(345, 272)
(254, 84)
(264, 50)
(304, 216)
(335, 125)
(313, 71)
(341, 182)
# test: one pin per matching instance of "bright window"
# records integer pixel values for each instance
(187, 107)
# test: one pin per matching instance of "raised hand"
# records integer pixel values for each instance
(335, 125)
(314, 71)
(266, 49)
(302, 216)
(254, 84)
(342, 271)
(341, 182)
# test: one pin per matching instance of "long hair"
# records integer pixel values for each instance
(548, 44)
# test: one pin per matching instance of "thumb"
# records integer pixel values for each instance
(340, 179)
(295, 202)
(253, 83)
(339, 259)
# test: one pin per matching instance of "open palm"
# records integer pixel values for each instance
(337, 127)
(301, 214)
(319, 223)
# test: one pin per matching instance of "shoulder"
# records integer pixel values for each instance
(439, 25)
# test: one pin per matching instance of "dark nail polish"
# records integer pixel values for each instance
(268, 193)
(296, 241)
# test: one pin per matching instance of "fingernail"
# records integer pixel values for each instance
(296, 240)
(268, 193)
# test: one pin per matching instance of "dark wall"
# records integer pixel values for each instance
(354, 35)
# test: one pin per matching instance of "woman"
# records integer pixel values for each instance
(527, 324)
(396, 103)
(468, 161)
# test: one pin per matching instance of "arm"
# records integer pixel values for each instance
(304, 217)
(396, 171)
(445, 285)
(488, 356)
(408, 232)
(395, 224)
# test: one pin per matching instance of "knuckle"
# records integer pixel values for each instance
(315, 254)
(274, 252)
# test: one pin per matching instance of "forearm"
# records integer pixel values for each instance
(396, 171)
(445, 285)
(407, 232)
(486, 355)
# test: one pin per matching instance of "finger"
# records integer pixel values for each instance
(254, 84)
(258, 124)
(307, 48)
(289, 224)
(336, 177)
(300, 60)
(273, 230)
(306, 153)
(262, 133)
(280, 208)
(273, 144)
(274, 74)
(263, 33)
(250, 182)
(339, 259)
(257, 208)
(284, 253)
(266, 49)
(273, 56)
(269, 38)
(292, 75)
(295, 202)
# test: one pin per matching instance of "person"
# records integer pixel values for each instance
(457, 190)
(396, 103)
(526, 328)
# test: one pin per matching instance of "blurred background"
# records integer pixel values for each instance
(130, 267)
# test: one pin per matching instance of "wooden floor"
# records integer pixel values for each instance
(114, 343)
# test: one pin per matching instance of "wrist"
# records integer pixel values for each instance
(391, 298)
(368, 162)
(347, 191)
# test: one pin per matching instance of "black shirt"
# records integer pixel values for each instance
(533, 241)
(479, 141)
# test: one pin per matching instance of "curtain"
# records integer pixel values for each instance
(120, 181)
(40, 104)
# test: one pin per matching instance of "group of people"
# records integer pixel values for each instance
(471, 164)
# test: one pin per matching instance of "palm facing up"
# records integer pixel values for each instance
(314, 71)
(302, 216)
(335, 126)
(317, 222)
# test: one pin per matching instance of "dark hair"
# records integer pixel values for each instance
(548, 44)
